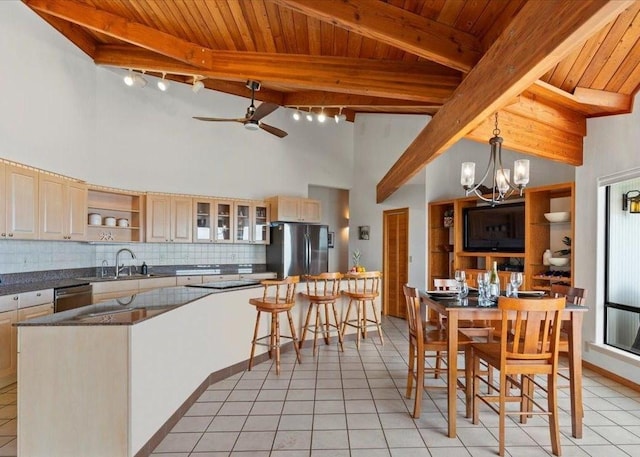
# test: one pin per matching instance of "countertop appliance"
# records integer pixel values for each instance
(65, 298)
(298, 249)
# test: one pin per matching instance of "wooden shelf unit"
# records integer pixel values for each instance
(120, 204)
(538, 237)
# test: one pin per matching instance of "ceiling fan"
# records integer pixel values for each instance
(252, 119)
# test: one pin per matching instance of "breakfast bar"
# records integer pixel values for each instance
(115, 372)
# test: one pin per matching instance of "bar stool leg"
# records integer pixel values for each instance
(306, 324)
(276, 335)
(375, 316)
(294, 337)
(327, 324)
(315, 330)
(253, 342)
(359, 328)
(335, 317)
(363, 304)
(346, 319)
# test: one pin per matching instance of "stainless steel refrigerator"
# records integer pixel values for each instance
(298, 249)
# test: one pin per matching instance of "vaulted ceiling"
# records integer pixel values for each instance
(544, 65)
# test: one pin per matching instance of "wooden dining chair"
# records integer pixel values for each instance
(573, 296)
(425, 344)
(528, 347)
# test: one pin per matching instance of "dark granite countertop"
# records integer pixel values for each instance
(127, 310)
(52, 279)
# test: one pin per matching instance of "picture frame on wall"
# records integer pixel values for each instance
(330, 239)
(363, 232)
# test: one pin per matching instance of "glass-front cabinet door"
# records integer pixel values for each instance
(223, 217)
(261, 223)
(243, 223)
(203, 212)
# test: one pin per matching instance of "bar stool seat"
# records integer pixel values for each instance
(322, 290)
(362, 289)
(278, 297)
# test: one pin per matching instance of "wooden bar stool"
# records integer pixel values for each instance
(278, 297)
(362, 288)
(322, 290)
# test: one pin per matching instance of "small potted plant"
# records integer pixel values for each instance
(356, 262)
(564, 252)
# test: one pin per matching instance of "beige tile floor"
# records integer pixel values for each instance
(352, 404)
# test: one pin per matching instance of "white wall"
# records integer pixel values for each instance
(64, 114)
(610, 148)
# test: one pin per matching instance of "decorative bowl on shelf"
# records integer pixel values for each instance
(559, 261)
(560, 216)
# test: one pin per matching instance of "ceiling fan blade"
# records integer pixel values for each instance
(273, 130)
(263, 110)
(220, 119)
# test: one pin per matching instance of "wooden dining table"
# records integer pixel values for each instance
(469, 309)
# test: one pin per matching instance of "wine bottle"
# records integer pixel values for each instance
(494, 282)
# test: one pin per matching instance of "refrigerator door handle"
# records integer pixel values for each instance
(308, 253)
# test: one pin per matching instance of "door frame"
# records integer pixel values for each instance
(386, 267)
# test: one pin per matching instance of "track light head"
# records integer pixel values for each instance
(163, 84)
(296, 115)
(197, 85)
(321, 116)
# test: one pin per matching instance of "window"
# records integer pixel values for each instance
(622, 270)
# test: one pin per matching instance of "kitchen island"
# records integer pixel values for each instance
(103, 380)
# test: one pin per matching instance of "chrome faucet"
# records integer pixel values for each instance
(103, 268)
(118, 268)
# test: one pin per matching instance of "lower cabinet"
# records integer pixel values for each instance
(8, 349)
(9, 338)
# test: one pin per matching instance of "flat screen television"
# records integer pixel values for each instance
(494, 228)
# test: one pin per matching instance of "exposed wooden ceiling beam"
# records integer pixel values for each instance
(532, 137)
(550, 114)
(607, 102)
(540, 35)
(396, 27)
(409, 81)
(74, 33)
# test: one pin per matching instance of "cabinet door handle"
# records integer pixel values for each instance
(4, 234)
(15, 298)
(10, 235)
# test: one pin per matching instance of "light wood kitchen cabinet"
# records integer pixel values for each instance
(63, 208)
(14, 308)
(251, 222)
(119, 204)
(8, 347)
(169, 218)
(213, 220)
(20, 201)
(35, 311)
(294, 209)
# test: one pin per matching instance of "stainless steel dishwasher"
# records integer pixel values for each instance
(65, 298)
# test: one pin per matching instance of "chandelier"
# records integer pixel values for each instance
(501, 188)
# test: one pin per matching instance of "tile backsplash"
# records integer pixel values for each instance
(22, 256)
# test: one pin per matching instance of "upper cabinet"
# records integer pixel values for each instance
(19, 218)
(63, 208)
(169, 218)
(113, 215)
(251, 222)
(294, 209)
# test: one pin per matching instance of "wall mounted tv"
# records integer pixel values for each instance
(494, 228)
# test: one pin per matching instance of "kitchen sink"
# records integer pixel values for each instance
(124, 277)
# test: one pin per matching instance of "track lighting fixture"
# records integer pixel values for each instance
(321, 116)
(296, 114)
(340, 117)
(134, 79)
(310, 115)
(163, 84)
(197, 85)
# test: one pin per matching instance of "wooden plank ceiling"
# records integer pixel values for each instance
(544, 65)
